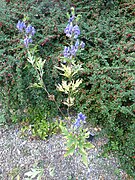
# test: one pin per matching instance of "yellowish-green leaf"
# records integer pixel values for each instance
(40, 63)
(66, 69)
(61, 69)
(31, 58)
(66, 85)
(85, 160)
(76, 84)
(69, 143)
(76, 68)
(88, 145)
(87, 134)
(69, 102)
(60, 88)
(70, 151)
(35, 85)
(79, 16)
(82, 151)
(69, 105)
(64, 130)
(18, 177)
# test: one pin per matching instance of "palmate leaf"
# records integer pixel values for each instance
(66, 85)
(31, 58)
(64, 130)
(82, 151)
(68, 104)
(60, 88)
(88, 145)
(69, 101)
(66, 69)
(40, 63)
(71, 141)
(85, 160)
(70, 151)
(76, 84)
(87, 135)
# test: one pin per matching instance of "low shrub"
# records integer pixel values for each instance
(126, 152)
(107, 94)
(16, 73)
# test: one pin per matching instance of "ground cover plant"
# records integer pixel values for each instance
(107, 89)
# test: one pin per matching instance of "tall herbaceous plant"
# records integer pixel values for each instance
(73, 130)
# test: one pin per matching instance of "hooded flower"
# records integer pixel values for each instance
(80, 119)
(68, 30)
(69, 52)
(27, 40)
(30, 30)
(77, 44)
(73, 50)
(76, 31)
(21, 25)
(66, 52)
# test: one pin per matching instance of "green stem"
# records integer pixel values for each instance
(48, 94)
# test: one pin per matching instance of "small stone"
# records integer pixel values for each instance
(0, 171)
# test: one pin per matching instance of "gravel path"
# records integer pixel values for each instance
(18, 155)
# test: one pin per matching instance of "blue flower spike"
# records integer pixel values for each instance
(29, 30)
(72, 31)
(80, 120)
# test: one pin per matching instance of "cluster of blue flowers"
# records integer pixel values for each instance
(80, 120)
(29, 32)
(72, 31)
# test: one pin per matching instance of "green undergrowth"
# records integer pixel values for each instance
(39, 124)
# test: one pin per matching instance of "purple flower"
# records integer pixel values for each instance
(80, 119)
(70, 51)
(82, 45)
(81, 116)
(30, 30)
(21, 25)
(27, 40)
(77, 124)
(66, 52)
(68, 30)
(33, 31)
(76, 31)
(71, 19)
(73, 50)
(77, 44)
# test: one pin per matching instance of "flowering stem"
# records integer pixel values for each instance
(68, 108)
(51, 97)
